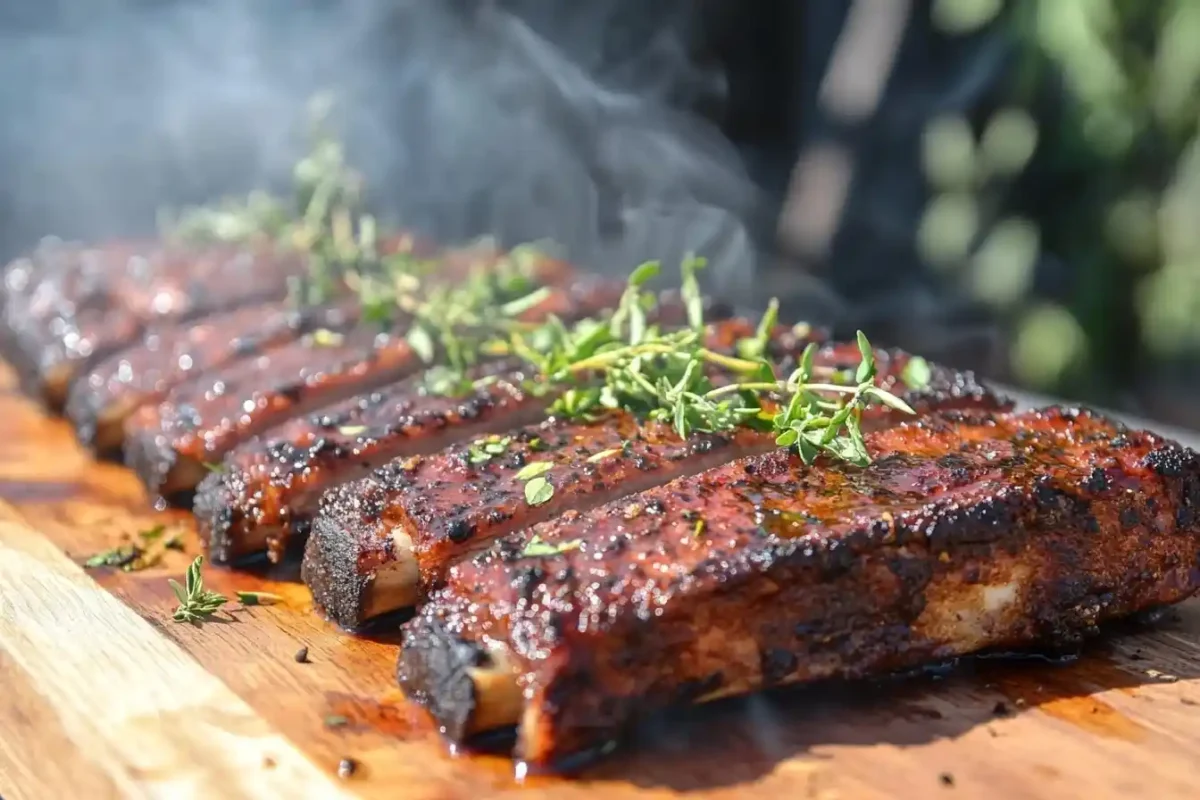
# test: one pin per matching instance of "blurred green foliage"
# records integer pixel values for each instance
(1089, 165)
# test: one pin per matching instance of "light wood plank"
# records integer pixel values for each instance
(141, 711)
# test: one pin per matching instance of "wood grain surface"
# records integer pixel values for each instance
(103, 695)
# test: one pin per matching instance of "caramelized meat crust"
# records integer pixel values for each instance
(271, 482)
(167, 356)
(169, 444)
(969, 531)
(441, 508)
(269, 486)
(67, 307)
(203, 420)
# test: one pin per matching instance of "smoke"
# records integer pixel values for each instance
(525, 121)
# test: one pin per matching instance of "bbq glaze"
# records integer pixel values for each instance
(168, 356)
(169, 444)
(66, 307)
(269, 483)
(968, 531)
(269, 486)
(440, 508)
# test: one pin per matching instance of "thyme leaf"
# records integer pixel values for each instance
(258, 598)
(195, 602)
(120, 556)
(538, 491)
(533, 469)
(146, 552)
(916, 373)
(537, 547)
(484, 450)
(323, 337)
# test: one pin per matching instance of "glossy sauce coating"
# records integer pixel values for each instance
(202, 420)
(450, 504)
(269, 485)
(97, 300)
(968, 530)
(168, 356)
(267, 482)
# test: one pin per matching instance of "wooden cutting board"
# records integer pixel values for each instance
(102, 695)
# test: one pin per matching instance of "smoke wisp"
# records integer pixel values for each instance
(525, 120)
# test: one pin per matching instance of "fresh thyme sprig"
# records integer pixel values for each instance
(672, 377)
(813, 424)
(145, 552)
(536, 547)
(459, 326)
(326, 222)
(230, 220)
(195, 602)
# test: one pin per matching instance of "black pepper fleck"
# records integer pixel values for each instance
(347, 767)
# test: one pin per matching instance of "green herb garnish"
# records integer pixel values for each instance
(322, 337)
(195, 602)
(756, 347)
(538, 491)
(121, 556)
(533, 469)
(258, 598)
(916, 373)
(536, 547)
(813, 424)
(603, 454)
(484, 450)
(689, 290)
(626, 363)
(144, 553)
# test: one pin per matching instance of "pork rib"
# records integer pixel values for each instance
(270, 485)
(63, 317)
(100, 403)
(382, 543)
(169, 444)
(169, 354)
(968, 531)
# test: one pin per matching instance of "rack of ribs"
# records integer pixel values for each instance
(173, 445)
(65, 315)
(168, 355)
(382, 543)
(66, 307)
(268, 487)
(99, 404)
(968, 531)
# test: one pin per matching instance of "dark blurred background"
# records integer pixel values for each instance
(1011, 186)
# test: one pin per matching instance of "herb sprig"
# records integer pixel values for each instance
(145, 552)
(196, 603)
(672, 377)
(536, 547)
(326, 222)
